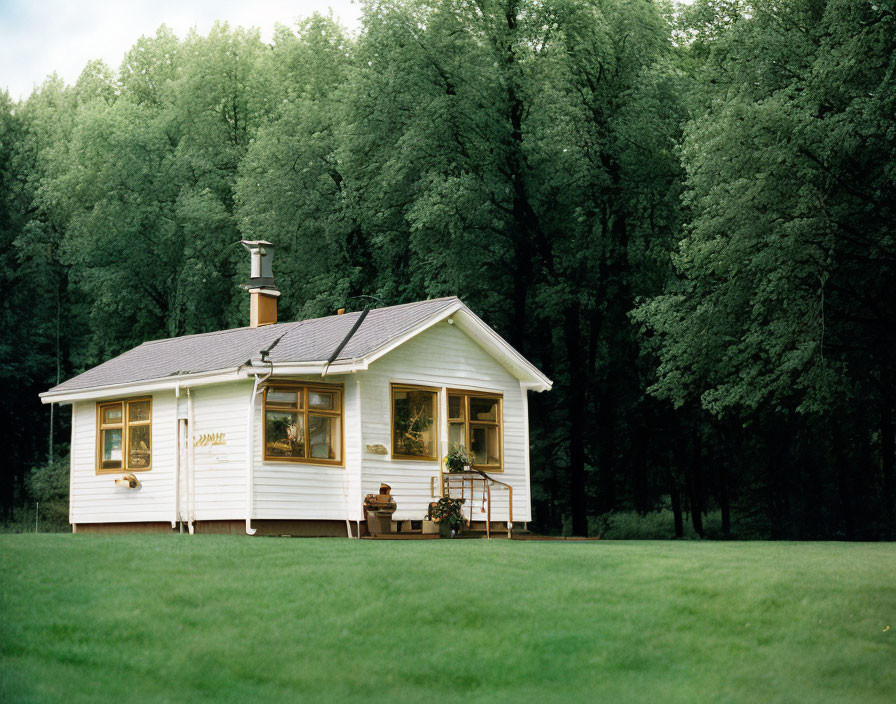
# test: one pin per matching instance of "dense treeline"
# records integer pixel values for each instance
(684, 216)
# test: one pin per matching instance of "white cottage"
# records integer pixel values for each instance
(284, 428)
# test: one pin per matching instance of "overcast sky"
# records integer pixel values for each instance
(38, 37)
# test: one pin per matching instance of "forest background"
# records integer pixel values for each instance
(684, 215)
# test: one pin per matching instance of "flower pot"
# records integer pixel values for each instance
(429, 527)
(444, 529)
(379, 522)
(373, 524)
(385, 519)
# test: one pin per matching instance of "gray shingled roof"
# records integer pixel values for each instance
(304, 341)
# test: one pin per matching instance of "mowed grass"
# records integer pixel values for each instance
(220, 618)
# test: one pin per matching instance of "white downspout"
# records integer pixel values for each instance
(177, 467)
(346, 479)
(191, 472)
(345, 492)
(250, 451)
(71, 469)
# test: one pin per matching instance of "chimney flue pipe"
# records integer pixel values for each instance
(263, 294)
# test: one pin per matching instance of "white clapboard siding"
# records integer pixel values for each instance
(95, 498)
(288, 490)
(442, 357)
(220, 470)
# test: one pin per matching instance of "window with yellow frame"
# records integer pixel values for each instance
(303, 423)
(475, 421)
(414, 428)
(124, 436)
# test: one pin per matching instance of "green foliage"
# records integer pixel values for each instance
(447, 511)
(778, 285)
(784, 295)
(682, 214)
(458, 459)
(660, 525)
(48, 485)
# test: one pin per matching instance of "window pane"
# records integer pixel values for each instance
(456, 407)
(413, 431)
(326, 401)
(112, 414)
(287, 396)
(482, 408)
(111, 444)
(138, 447)
(456, 435)
(325, 437)
(284, 434)
(138, 411)
(484, 444)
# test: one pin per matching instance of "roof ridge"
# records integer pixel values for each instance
(396, 305)
(215, 332)
(417, 303)
(293, 322)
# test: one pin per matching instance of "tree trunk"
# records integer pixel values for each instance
(779, 467)
(525, 225)
(638, 470)
(687, 461)
(606, 501)
(843, 480)
(695, 483)
(887, 438)
(576, 410)
(522, 278)
(724, 498)
(676, 505)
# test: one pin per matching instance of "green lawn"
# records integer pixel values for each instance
(220, 618)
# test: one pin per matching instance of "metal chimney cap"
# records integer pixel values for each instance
(261, 274)
(256, 244)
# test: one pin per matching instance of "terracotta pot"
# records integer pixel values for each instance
(385, 519)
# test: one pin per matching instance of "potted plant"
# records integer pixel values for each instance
(378, 510)
(458, 459)
(447, 515)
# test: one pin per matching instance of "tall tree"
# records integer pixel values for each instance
(785, 296)
(293, 188)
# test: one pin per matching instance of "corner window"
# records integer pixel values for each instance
(414, 422)
(303, 424)
(124, 436)
(475, 421)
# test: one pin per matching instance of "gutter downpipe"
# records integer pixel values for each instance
(177, 466)
(191, 475)
(250, 452)
(345, 482)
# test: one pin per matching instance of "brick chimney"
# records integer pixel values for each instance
(263, 294)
